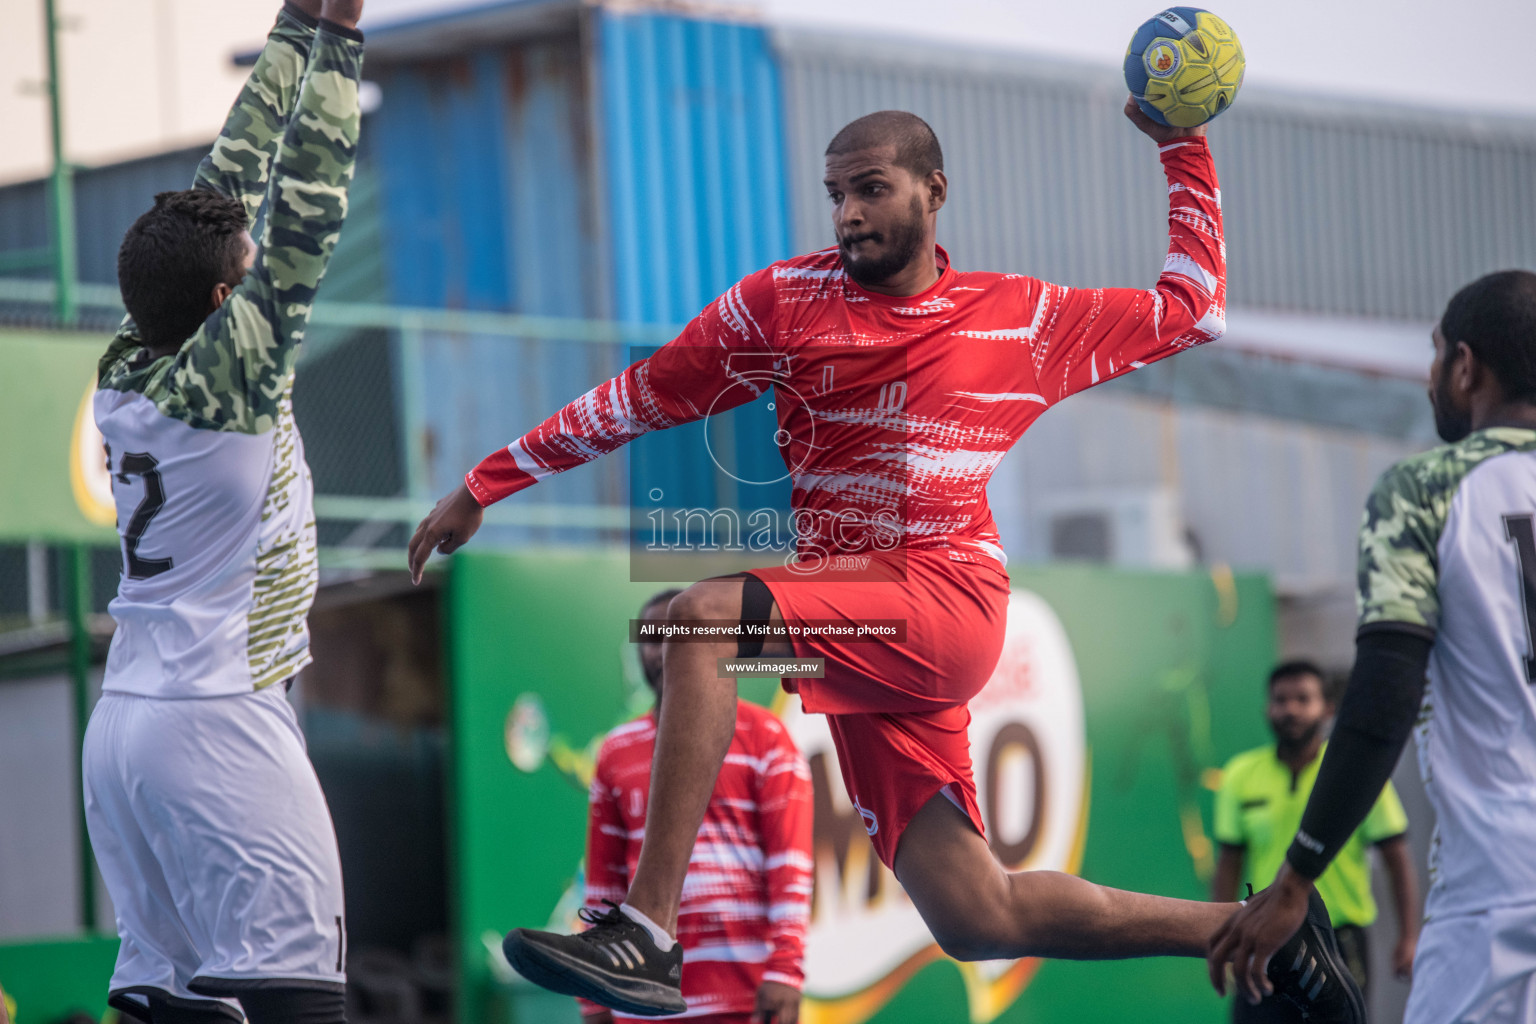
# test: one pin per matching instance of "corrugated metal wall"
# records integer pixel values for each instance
(694, 161)
(485, 168)
(486, 176)
(109, 199)
(1255, 491)
(1329, 207)
(694, 158)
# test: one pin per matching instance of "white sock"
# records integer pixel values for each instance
(664, 942)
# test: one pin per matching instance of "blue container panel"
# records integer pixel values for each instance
(695, 173)
(487, 196)
(441, 141)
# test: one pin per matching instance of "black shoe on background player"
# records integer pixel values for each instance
(1309, 973)
(614, 963)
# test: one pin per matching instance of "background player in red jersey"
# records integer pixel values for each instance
(900, 383)
(747, 899)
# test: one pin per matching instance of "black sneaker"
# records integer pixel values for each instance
(1309, 973)
(615, 963)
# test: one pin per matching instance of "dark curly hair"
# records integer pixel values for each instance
(1496, 316)
(172, 258)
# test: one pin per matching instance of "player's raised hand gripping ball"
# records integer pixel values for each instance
(1184, 66)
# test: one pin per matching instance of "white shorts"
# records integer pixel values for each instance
(216, 846)
(1476, 969)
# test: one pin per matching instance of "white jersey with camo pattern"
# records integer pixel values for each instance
(1448, 549)
(219, 554)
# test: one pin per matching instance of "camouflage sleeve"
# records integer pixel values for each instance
(1399, 564)
(235, 371)
(241, 158)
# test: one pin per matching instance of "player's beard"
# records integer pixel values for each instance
(903, 243)
(1451, 423)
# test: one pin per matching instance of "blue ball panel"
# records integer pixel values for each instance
(1150, 30)
(1135, 73)
(1151, 111)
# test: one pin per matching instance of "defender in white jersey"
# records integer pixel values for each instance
(1447, 582)
(210, 827)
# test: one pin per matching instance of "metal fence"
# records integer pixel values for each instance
(394, 404)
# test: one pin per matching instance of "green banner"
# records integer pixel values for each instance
(56, 484)
(50, 979)
(1096, 747)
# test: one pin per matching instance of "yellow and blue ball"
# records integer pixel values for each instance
(1184, 66)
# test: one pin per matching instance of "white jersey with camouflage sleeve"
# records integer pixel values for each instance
(214, 500)
(1448, 549)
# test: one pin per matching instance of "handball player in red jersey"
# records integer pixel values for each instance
(900, 383)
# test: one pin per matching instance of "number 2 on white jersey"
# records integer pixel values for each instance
(142, 464)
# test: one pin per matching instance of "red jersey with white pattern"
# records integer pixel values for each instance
(747, 897)
(894, 411)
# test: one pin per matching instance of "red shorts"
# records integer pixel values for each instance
(898, 711)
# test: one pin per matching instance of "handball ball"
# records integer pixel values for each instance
(1184, 66)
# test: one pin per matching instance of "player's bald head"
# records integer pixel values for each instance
(917, 148)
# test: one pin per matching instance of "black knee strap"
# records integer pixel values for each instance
(756, 609)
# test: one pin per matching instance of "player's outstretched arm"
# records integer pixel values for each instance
(453, 520)
(241, 159)
(698, 373)
(1085, 336)
(234, 372)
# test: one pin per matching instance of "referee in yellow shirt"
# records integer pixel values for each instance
(1258, 809)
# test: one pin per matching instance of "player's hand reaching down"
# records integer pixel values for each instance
(1158, 133)
(1402, 957)
(777, 1003)
(446, 529)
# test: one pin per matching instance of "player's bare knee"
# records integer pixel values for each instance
(707, 599)
(958, 946)
(971, 925)
(977, 939)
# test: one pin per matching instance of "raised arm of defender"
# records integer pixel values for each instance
(233, 373)
(240, 162)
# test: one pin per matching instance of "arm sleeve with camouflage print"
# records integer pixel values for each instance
(240, 162)
(1398, 582)
(233, 373)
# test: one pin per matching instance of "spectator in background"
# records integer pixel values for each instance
(747, 898)
(1258, 809)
